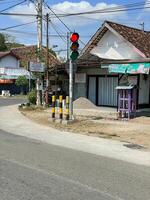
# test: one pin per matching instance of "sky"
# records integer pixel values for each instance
(85, 25)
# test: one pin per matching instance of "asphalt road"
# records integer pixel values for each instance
(11, 101)
(32, 170)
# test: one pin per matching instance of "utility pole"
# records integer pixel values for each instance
(71, 88)
(143, 26)
(39, 21)
(70, 63)
(39, 45)
(47, 57)
(68, 46)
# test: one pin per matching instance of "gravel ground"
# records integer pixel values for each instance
(83, 103)
(135, 131)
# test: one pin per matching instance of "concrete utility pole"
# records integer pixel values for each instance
(47, 57)
(71, 89)
(143, 26)
(39, 21)
(39, 45)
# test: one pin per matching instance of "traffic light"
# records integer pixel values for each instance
(74, 46)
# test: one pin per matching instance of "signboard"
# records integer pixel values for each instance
(80, 78)
(36, 67)
(4, 81)
(130, 68)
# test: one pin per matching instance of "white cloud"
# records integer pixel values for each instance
(24, 9)
(70, 7)
(147, 4)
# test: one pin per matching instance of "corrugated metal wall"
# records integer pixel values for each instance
(107, 94)
(144, 89)
(92, 89)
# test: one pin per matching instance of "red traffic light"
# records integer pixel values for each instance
(74, 37)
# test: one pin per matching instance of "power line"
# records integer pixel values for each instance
(127, 7)
(101, 12)
(19, 14)
(107, 10)
(15, 26)
(7, 2)
(58, 17)
(63, 23)
(54, 27)
(13, 6)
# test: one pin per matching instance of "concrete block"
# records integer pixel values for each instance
(59, 121)
(66, 122)
(51, 120)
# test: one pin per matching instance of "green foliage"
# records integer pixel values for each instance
(21, 81)
(32, 96)
(7, 42)
(3, 46)
(52, 52)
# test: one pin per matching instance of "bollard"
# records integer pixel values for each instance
(60, 107)
(67, 108)
(53, 106)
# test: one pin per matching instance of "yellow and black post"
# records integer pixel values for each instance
(67, 108)
(60, 107)
(53, 106)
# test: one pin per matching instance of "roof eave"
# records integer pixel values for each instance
(92, 39)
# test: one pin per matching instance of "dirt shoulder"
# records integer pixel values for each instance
(136, 131)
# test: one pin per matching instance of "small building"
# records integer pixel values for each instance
(9, 71)
(30, 53)
(112, 48)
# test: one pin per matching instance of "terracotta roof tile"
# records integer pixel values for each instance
(6, 53)
(29, 53)
(140, 39)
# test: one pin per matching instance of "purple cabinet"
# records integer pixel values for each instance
(127, 99)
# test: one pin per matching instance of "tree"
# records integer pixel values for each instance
(22, 82)
(3, 46)
(52, 52)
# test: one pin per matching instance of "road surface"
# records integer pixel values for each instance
(32, 170)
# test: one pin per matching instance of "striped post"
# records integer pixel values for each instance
(53, 106)
(67, 108)
(60, 107)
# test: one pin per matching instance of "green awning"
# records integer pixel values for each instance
(130, 68)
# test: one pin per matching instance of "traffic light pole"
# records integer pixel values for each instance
(72, 57)
(71, 89)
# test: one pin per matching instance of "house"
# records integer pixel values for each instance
(103, 63)
(9, 71)
(30, 53)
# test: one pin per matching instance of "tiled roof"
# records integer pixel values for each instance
(29, 53)
(138, 38)
(6, 53)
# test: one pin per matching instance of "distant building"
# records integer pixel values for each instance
(9, 71)
(16, 63)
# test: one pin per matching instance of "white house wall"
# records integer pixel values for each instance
(114, 47)
(9, 62)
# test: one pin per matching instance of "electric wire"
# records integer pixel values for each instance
(15, 26)
(13, 6)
